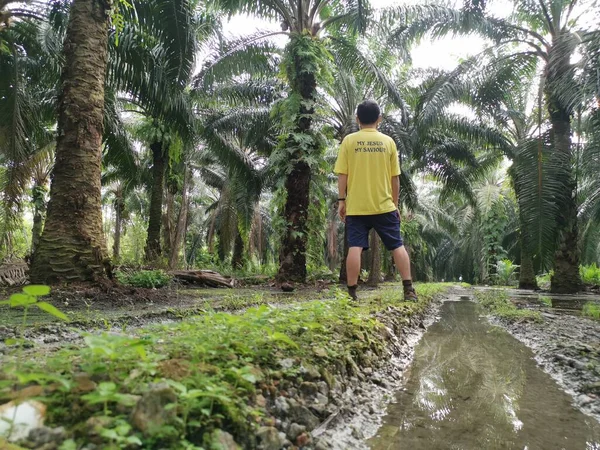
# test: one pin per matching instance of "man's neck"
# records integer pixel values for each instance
(368, 127)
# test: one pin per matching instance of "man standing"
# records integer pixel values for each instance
(369, 184)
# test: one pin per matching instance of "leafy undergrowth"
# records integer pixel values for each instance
(149, 279)
(592, 310)
(212, 376)
(497, 303)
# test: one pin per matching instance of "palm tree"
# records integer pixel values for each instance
(72, 246)
(153, 75)
(240, 136)
(27, 83)
(552, 33)
(305, 64)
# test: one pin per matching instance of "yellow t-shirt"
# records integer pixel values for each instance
(370, 159)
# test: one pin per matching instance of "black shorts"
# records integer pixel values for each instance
(386, 225)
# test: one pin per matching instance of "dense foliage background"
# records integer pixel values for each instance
(217, 152)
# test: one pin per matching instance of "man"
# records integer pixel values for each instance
(369, 184)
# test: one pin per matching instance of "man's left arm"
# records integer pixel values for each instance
(395, 165)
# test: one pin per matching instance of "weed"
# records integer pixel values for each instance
(591, 309)
(28, 298)
(498, 303)
(150, 279)
(505, 273)
(545, 300)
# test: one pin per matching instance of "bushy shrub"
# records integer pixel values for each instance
(590, 274)
(149, 279)
(506, 272)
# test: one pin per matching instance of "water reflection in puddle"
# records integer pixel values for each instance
(474, 386)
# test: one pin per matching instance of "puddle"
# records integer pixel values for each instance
(474, 386)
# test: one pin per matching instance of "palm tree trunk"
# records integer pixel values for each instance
(375, 260)
(343, 273)
(156, 202)
(119, 209)
(527, 278)
(39, 214)
(303, 82)
(566, 279)
(72, 247)
(237, 260)
(168, 227)
(181, 226)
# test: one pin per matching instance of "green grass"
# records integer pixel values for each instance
(216, 363)
(497, 303)
(545, 300)
(592, 310)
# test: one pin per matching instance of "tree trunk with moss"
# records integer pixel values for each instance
(153, 249)
(72, 246)
(301, 145)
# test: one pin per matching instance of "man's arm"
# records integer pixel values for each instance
(342, 185)
(395, 189)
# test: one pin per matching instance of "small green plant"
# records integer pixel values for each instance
(106, 393)
(150, 279)
(498, 303)
(120, 435)
(591, 309)
(506, 272)
(590, 274)
(28, 298)
(545, 300)
(544, 279)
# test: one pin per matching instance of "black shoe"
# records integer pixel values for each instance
(352, 293)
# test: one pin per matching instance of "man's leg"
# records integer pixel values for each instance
(402, 261)
(388, 227)
(353, 269)
(358, 238)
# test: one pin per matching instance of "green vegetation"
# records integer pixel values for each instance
(545, 300)
(498, 303)
(506, 273)
(230, 167)
(145, 278)
(215, 366)
(591, 309)
(590, 274)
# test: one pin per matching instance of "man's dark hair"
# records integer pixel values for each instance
(368, 112)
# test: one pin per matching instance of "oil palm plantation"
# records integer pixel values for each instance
(553, 33)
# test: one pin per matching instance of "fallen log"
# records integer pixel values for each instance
(203, 277)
